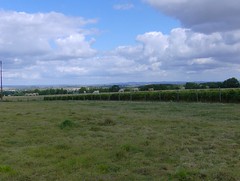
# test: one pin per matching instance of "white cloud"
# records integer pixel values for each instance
(123, 6)
(202, 61)
(154, 43)
(51, 48)
(27, 39)
(74, 45)
(32, 34)
(180, 55)
(184, 51)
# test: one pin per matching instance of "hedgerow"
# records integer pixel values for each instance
(210, 95)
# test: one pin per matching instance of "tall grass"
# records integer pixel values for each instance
(101, 140)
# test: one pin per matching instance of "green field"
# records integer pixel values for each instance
(88, 140)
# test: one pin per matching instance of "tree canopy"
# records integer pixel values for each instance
(231, 83)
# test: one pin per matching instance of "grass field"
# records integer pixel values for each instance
(74, 140)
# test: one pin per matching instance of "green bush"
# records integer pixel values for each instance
(139, 96)
(114, 97)
(105, 97)
(66, 124)
(125, 96)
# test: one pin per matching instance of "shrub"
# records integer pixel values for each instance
(5, 169)
(66, 124)
(139, 96)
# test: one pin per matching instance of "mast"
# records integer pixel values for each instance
(1, 81)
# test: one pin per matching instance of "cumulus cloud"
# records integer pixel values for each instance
(26, 39)
(75, 45)
(180, 55)
(202, 15)
(185, 51)
(39, 34)
(52, 48)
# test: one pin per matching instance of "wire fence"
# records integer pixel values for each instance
(208, 95)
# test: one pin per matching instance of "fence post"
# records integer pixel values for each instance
(159, 95)
(220, 95)
(197, 95)
(177, 95)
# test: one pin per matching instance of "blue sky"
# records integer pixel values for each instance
(102, 41)
(116, 27)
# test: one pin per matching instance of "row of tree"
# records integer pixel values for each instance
(62, 91)
(229, 83)
(50, 91)
(159, 87)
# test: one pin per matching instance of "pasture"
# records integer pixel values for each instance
(89, 140)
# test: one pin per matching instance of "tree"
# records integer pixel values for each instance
(114, 88)
(192, 85)
(231, 83)
(82, 90)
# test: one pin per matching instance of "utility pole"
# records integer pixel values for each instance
(1, 81)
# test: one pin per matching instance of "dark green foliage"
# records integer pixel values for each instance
(114, 97)
(114, 88)
(67, 124)
(211, 85)
(159, 87)
(203, 95)
(153, 96)
(231, 83)
(105, 97)
(5, 169)
(139, 96)
(192, 85)
(82, 90)
(182, 175)
(125, 96)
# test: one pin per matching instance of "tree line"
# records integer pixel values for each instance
(229, 83)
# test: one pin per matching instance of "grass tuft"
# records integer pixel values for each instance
(5, 169)
(67, 124)
(107, 122)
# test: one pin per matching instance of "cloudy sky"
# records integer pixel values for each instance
(110, 41)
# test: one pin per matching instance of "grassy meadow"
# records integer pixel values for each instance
(88, 140)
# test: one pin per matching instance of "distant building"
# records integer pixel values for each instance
(135, 89)
(96, 92)
(31, 94)
(121, 90)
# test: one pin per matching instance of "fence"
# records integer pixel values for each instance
(208, 95)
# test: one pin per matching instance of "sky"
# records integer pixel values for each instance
(111, 41)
